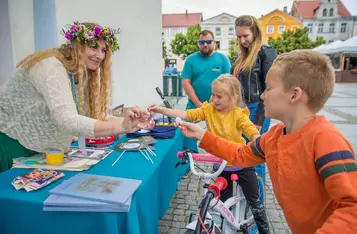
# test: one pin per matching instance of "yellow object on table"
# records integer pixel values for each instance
(54, 157)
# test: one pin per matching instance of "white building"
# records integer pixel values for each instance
(173, 24)
(327, 18)
(223, 29)
(28, 26)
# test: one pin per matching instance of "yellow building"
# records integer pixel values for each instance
(275, 23)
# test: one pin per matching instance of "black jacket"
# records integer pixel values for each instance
(253, 82)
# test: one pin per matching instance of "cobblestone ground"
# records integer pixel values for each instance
(341, 110)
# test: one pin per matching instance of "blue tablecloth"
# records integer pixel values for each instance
(21, 212)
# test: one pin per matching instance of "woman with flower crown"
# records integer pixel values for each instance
(60, 93)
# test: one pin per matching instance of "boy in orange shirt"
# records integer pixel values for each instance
(312, 166)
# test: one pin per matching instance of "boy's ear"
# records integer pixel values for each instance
(296, 94)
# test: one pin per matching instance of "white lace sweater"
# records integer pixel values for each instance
(37, 108)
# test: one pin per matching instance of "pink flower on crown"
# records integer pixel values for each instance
(73, 28)
(89, 35)
(97, 31)
(110, 31)
(69, 36)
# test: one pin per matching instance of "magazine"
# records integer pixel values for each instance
(36, 179)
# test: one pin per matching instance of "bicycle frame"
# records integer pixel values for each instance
(234, 220)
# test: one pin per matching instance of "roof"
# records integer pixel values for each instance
(181, 20)
(287, 14)
(306, 9)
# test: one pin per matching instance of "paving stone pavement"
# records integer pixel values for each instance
(341, 110)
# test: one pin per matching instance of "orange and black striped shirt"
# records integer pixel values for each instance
(313, 172)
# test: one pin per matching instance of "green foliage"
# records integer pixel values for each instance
(184, 45)
(233, 52)
(164, 48)
(293, 40)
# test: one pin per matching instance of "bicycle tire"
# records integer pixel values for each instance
(190, 231)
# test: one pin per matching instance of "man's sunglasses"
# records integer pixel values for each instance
(202, 42)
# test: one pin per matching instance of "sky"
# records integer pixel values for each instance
(257, 8)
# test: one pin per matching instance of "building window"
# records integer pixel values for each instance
(218, 31)
(281, 29)
(270, 29)
(309, 26)
(331, 12)
(320, 28)
(231, 31)
(324, 12)
(332, 28)
(343, 27)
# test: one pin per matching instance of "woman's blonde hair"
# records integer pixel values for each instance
(248, 56)
(98, 84)
(232, 87)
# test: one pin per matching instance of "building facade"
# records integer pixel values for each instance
(275, 23)
(327, 18)
(223, 29)
(173, 24)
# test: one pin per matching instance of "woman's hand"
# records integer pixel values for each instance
(136, 118)
(191, 130)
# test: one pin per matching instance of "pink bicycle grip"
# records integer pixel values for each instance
(219, 184)
(202, 157)
(180, 154)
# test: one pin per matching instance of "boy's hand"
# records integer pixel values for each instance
(191, 130)
(155, 108)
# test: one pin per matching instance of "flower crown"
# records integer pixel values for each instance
(90, 35)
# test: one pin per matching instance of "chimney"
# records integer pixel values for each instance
(285, 9)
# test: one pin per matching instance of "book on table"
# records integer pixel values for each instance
(106, 189)
(63, 203)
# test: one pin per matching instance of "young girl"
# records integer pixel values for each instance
(224, 117)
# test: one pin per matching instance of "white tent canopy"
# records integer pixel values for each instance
(348, 46)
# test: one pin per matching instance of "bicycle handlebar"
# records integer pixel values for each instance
(204, 158)
(219, 184)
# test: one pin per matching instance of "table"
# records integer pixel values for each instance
(21, 212)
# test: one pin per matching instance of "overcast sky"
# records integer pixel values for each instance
(211, 8)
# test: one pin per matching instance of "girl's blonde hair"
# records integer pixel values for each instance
(96, 85)
(232, 87)
(248, 56)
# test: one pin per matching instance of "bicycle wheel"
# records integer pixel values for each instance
(190, 231)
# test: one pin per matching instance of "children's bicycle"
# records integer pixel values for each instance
(236, 213)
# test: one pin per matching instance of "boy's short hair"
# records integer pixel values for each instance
(311, 71)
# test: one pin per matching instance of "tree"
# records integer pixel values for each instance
(184, 45)
(178, 44)
(293, 40)
(164, 48)
(233, 52)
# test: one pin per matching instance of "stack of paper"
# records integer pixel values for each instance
(75, 160)
(92, 193)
